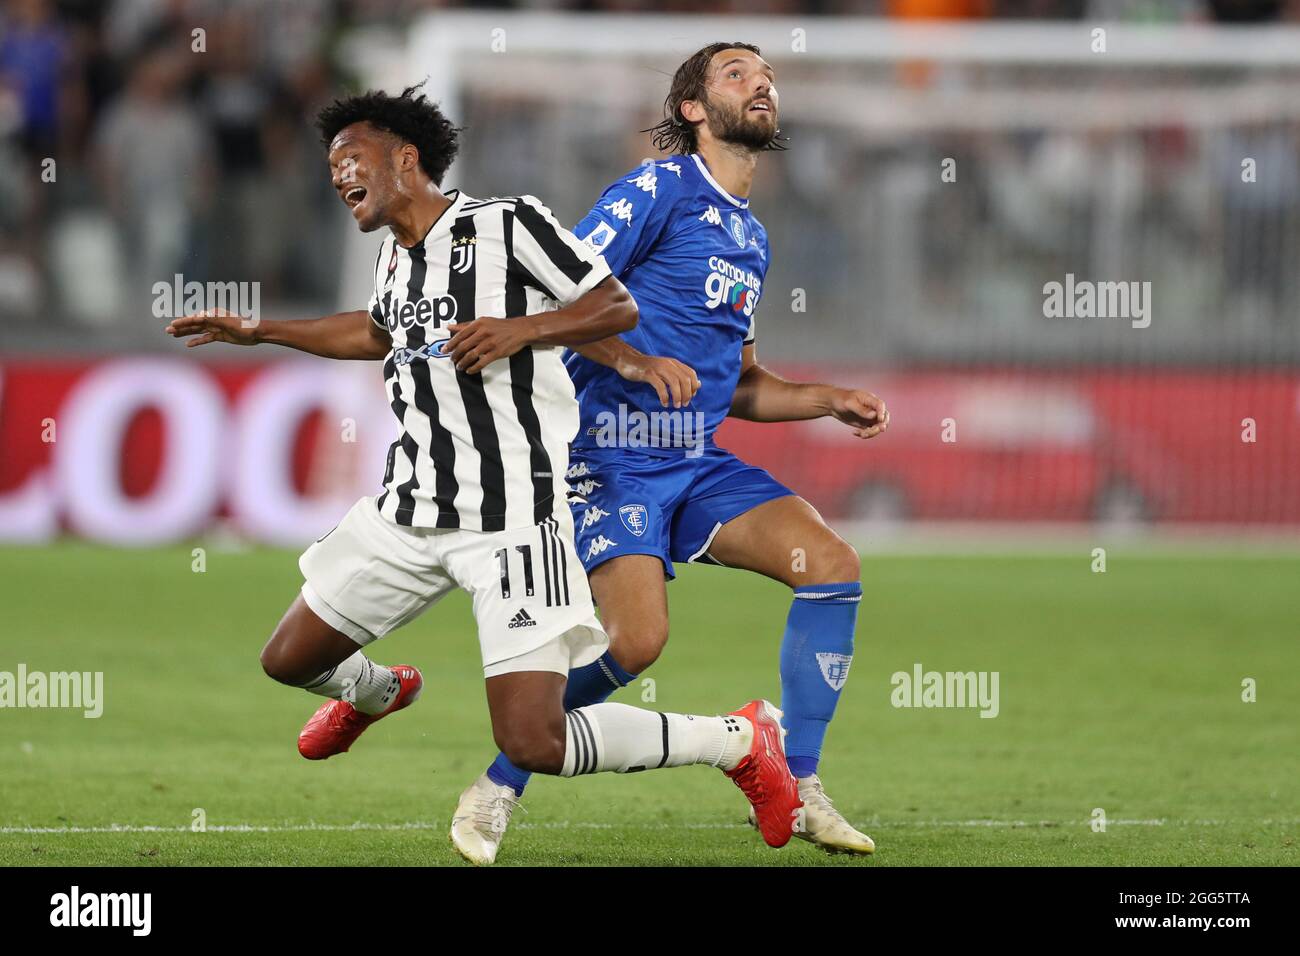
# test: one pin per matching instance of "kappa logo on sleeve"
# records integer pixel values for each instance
(620, 209)
(646, 181)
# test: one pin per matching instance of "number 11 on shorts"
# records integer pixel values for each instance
(503, 558)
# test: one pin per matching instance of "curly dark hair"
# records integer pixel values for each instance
(674, 133)
(410, 116)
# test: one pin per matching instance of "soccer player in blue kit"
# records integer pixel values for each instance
(649, 487)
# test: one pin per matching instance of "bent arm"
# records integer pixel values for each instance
(601, 313)
(763, 396)
(612, 352)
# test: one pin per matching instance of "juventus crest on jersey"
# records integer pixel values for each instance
(482, 452)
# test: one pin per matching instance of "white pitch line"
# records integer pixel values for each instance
(585, 825)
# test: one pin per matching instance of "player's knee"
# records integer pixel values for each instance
(636, 648)
(535, 752)
(281, 667)
(846, 563)
(836, 562)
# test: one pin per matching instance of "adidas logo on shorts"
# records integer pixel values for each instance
(521, 619)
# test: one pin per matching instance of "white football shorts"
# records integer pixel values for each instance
(531, 600)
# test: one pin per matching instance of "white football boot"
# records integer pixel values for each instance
(481, 819)
(824, 826)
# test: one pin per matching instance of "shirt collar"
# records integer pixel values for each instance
(445, 218)
(704, 171)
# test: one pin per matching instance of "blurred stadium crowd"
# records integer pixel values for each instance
(164, 161)
(137, 149)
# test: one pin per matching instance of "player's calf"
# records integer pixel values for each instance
(307, 652)
(634, 613)
(303, 647)
(527, 712)
(817, 647)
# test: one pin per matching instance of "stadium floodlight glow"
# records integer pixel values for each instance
(864, 39)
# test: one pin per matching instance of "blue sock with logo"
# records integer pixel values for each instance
(815, 656)
(590, 684)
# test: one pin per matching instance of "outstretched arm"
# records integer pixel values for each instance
(345, 335)
(763, 396)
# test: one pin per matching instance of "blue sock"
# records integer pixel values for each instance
(589, 684)
(815, 656)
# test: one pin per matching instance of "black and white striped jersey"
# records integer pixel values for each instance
(482, 452)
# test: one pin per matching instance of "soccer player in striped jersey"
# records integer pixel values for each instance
(473, 301)
(680, 234)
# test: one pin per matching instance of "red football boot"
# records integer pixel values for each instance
(337, 724)
(764, 776)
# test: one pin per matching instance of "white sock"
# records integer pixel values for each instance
(367, 686)
(626, 739)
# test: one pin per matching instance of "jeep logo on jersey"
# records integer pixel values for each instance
(634, 518)
(737, 287)
(441, 311)
(738, 229)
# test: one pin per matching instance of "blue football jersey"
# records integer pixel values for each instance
(694, 259)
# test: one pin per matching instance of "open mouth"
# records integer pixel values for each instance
(761, 106)
(354, 196)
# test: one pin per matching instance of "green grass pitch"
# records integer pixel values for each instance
(1120, 691)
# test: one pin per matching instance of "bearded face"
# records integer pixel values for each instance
(750, 124)
(740, 100)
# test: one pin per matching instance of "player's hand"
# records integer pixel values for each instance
(214, 325)
(475, 345)
(863, 412)
(675, 382)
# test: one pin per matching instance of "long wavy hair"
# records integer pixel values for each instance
(676, 134)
